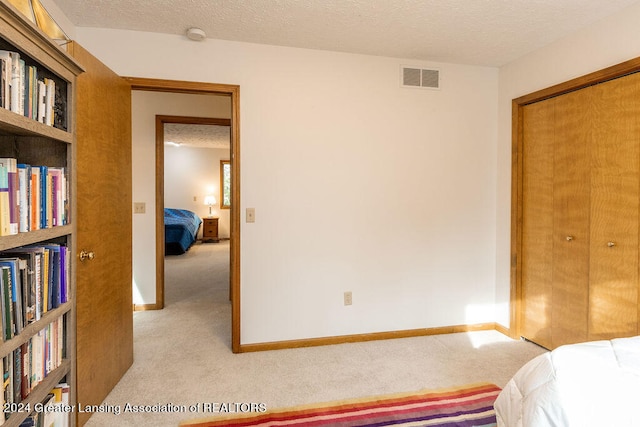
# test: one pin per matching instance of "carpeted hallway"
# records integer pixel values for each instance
(182, 356)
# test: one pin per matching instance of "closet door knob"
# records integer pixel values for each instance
(569, 238)
(611, 244)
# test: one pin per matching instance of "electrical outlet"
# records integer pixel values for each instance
(348, 298)
(139, 207)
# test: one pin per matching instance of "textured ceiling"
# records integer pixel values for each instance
(480, 32)
(202, 136)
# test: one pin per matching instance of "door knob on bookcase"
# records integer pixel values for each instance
(86, 255)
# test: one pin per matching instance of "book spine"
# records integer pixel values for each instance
(5, 205)
(14, 215)
(24, 197)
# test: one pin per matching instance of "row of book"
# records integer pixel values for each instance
(23, 91)
(33, 281)
(29, 364)
(32, 197)
(46, 415)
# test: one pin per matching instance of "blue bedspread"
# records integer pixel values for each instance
(180, 230)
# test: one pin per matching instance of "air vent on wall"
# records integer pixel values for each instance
(420, 78)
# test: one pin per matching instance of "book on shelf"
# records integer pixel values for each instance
(32, 296)
(14, 97)
(32, 197)
(7, 382)
(50, 416)
(5, 206)
(28, 91)
(30, 363)
(17, 375)
(33, 281)
(50, 93)
(7, 306)
(35, 198)
(9, 166)
(24, 193)
(25, 91)
(24, 369)
(44, 196)
(4, 86)
(7, 59)
(11, 281)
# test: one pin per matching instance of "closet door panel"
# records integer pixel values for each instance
(613, 294)
(537, 234)
(571, 190)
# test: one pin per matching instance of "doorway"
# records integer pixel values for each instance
(194, 149)
(231, 91)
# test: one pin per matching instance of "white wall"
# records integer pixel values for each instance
(608, 42)
(191, 173)
(358, 184)
(144, 108)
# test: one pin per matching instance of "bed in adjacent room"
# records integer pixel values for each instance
(588, 384)
(180, 230)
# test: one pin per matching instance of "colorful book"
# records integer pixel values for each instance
(7, 304)
(5, 206)
(13, 186)
(44, 196)
(13, 264)
(36, 221)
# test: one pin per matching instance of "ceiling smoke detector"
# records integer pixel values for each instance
(196, 34)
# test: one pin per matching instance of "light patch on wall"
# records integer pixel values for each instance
(137, 296)
(479, 313)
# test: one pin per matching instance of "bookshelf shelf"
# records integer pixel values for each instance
(35, 236)
(33, 328)
(15, 124)
(45, 143)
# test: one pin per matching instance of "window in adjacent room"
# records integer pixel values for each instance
(225, 184)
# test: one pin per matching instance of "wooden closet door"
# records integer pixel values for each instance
(571, 215)
(537, 221)
(613, 291)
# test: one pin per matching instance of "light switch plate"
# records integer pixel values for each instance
(348, 298)
(251, 214)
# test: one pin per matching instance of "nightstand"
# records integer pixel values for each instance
(210, 230)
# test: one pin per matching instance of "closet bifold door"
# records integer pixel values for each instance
(581, 214)
(571, 215)
(613, 287)
(537, 221)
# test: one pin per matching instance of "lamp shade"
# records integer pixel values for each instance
(209, 200)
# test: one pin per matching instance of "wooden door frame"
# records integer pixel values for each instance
(160, 237)
(198, 88)
(517, 123)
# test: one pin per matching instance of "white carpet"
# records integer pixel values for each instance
(183, 356)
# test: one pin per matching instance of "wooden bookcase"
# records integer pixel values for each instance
(35, 143)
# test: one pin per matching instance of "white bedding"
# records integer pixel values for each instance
(590, 384)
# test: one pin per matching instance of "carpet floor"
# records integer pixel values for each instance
(182, 357)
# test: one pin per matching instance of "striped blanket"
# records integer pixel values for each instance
(466, 406)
